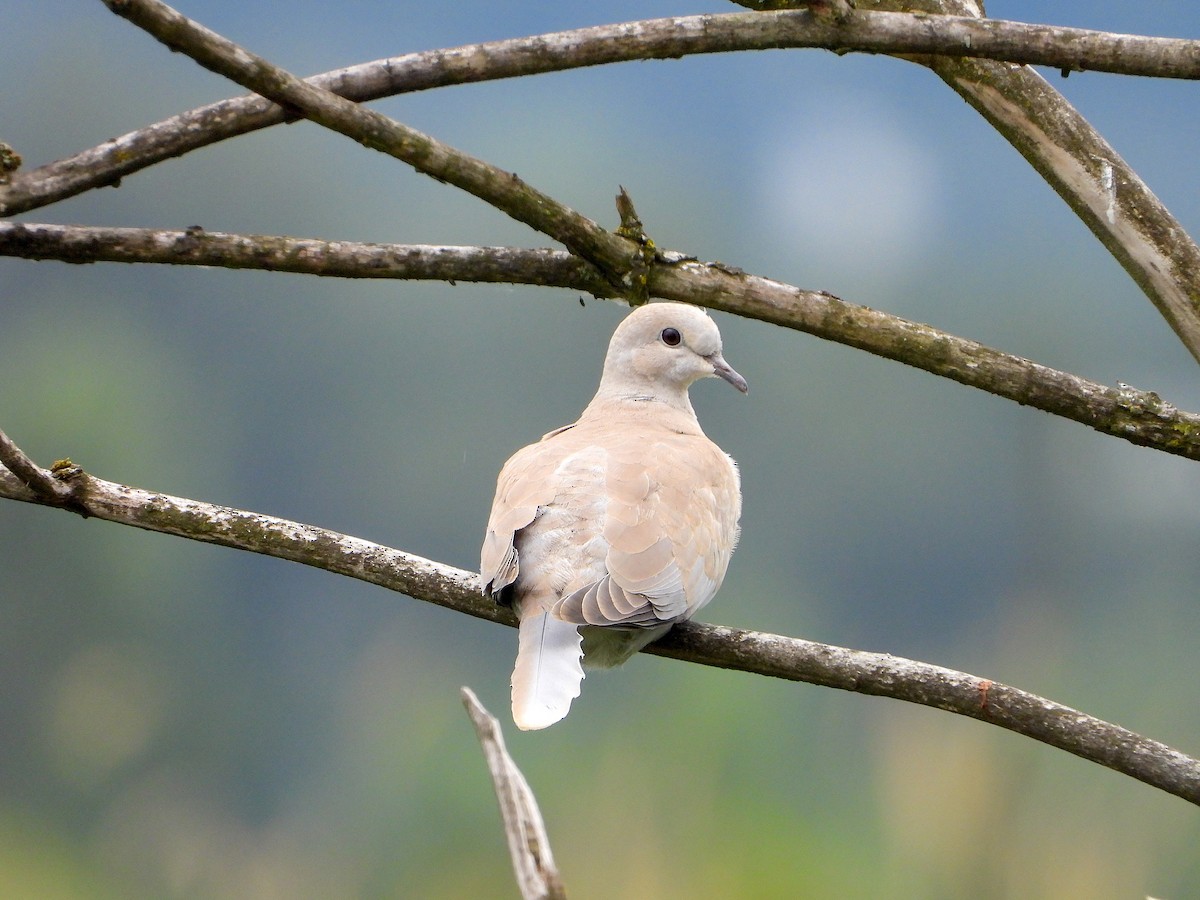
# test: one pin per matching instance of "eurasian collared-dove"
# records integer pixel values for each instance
(623, 522)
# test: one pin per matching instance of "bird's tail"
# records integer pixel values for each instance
(547, 674)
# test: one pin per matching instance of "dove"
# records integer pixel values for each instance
(606, 532)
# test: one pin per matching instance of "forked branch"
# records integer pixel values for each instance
(1093, 179)
(615, 256)
(1070, 49)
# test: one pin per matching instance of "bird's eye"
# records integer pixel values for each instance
(671, 337)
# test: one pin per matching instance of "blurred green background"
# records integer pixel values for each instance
(179, 720)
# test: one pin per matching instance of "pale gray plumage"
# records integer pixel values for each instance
(623, 522)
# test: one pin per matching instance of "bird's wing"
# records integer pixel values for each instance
(670, 526)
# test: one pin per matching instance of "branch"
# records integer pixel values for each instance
(885, 675)
(1106, 194)
(614, 255)
(1071, 49)
(338, 259)
(879, 674)
(44, 484)
(1083, 168)
(528, 843)
(1099, 186)
(1140, 417)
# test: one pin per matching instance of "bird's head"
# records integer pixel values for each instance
(661, 349)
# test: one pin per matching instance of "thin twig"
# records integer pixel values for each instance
(612, 254)
(775, 656)
(1072, 49)
(1140, 417)
(528, 842)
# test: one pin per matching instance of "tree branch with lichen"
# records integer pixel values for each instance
(1140, 417)
(612, 254)
(775, 656)
(892, 33)
(1107, 195)
(625, 263)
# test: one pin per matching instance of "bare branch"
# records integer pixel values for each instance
(1071, 49)
(270, 536)
(884, 675)
(613, 254)
(775, 656)
(1140, 417)
(1099, 186)
(1115, 204)
(528, 843)
(339, 259)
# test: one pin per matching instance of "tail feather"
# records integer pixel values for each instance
(547, 674)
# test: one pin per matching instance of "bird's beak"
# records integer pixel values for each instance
(724, 370)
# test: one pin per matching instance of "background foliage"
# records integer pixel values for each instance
(179, 720)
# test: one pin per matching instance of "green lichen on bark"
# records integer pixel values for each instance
(10, 161)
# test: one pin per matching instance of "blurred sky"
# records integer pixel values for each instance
(183, 720)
